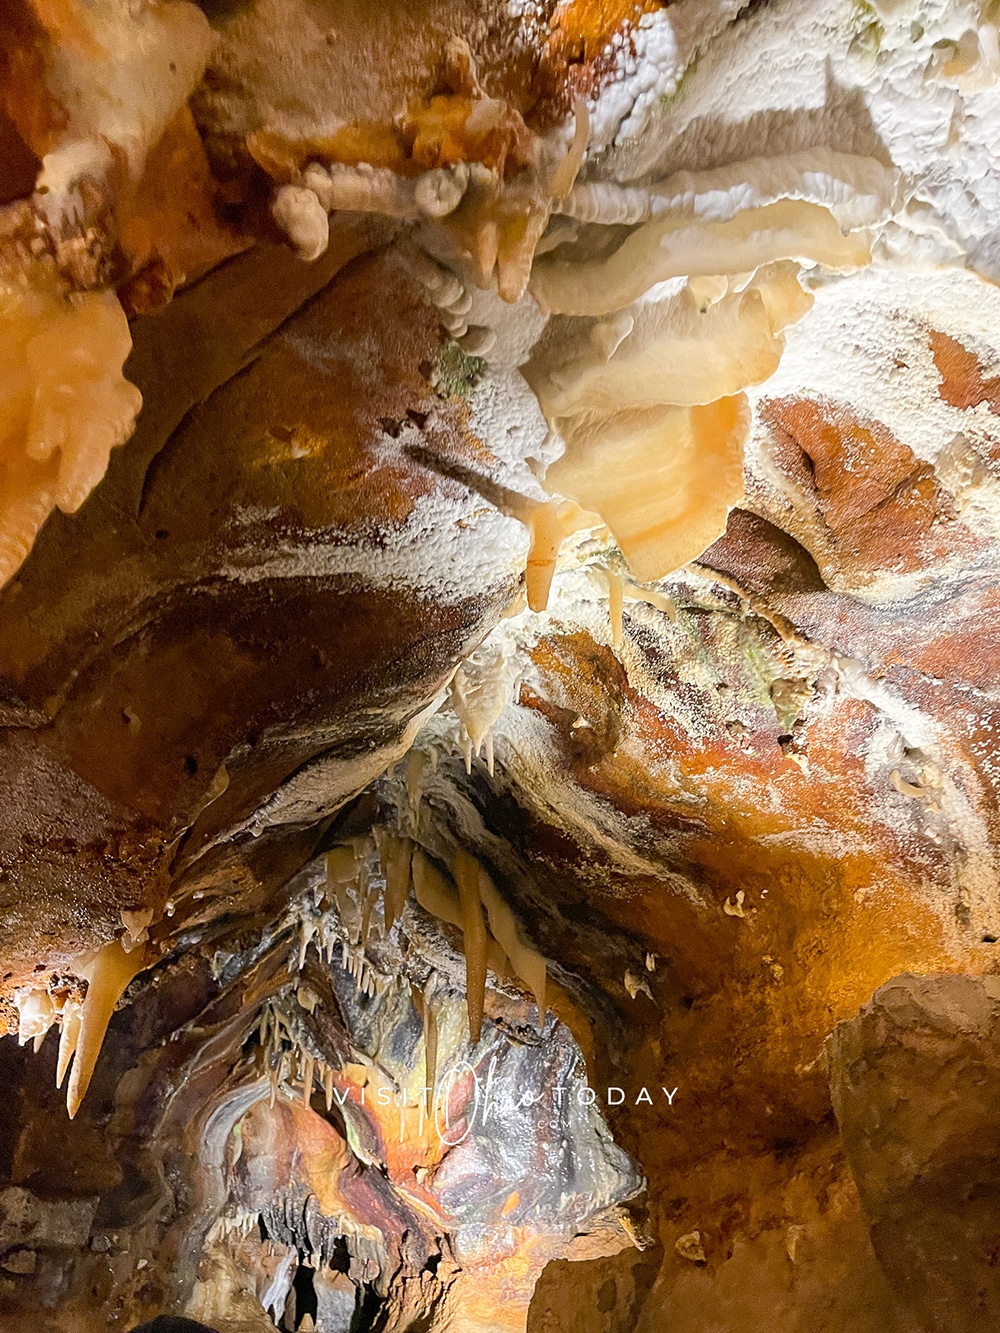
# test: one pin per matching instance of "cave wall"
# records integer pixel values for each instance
(498, 529)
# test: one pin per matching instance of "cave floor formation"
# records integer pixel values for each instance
(499, 658)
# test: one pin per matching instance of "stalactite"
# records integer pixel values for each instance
(36, 1014)
(424, 1004)
(549, 524)
(433, 892)
(569, 168)
(415, 761)
(68, 1038)
(341, 865)
(634, 984)
(108, 975)
(396, 855)
(136, 927)
(216, 788)
(307, 931)
(466, 870)
(660, 601)
(368, 897)
(327, 940)
(527, 962)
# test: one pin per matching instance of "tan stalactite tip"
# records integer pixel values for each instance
(108, 975)
(397, 854)
(433, 891)
(423, 1002)
(527, 963)
(466, 870)
(546, 539)
(415, 762)
(68, 1038)
(549, 525)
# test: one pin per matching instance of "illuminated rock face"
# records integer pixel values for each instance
(497, 664)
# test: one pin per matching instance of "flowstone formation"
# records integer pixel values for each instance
(499, 548)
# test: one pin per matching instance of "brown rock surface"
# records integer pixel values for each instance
(200, 662)
(915, 1078)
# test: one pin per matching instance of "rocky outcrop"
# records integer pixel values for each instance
(914, 1081)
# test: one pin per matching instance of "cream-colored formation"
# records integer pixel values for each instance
(64, 405)
(103, 976)
(478, 694)
(684, 244)
(648, 401)
(650, 408)
(115, 76)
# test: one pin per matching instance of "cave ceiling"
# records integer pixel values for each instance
(499, 651)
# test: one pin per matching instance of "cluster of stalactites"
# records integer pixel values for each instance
(370, 904)
(479, 692)
(81, 1001)
(488, 183)
(645, 383)
(292, 1068)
